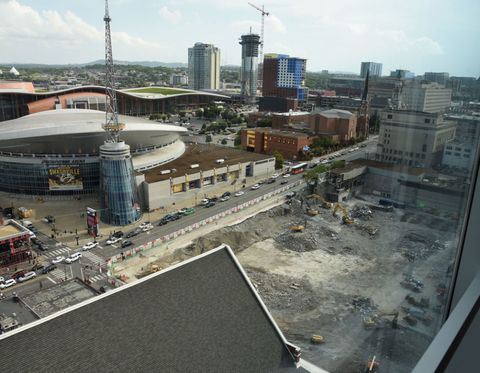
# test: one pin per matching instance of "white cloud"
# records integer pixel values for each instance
(172, 16)
(49, 36)
(274, 24)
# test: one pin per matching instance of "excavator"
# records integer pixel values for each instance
(345, 217)
(372, 321)
(325, 204)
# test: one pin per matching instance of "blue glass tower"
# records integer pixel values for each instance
(119, 201)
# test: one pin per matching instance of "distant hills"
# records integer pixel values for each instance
(97, 62)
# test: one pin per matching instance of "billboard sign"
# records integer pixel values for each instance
(64, 177)
(93, 221)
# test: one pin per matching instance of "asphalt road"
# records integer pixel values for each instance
(201, 213)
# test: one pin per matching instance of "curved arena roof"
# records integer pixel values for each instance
(79, 131)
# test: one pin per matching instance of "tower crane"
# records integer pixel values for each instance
(264, 13)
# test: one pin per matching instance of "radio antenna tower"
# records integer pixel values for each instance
(111, 126)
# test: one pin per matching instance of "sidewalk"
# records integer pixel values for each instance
(70, 212)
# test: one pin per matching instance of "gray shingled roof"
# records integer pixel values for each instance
(202, 316)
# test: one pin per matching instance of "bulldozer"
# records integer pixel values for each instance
(297, 228)
(311, 212)
(324, 203)
(346, 219)
(370, 322)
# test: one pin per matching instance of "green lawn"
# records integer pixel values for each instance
(161, 90)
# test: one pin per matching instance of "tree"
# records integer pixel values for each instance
(278, 159)
(224, 141)
(374, 122)
(208, 138)
(238, 139)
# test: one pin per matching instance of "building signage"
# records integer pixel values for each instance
(64, 177)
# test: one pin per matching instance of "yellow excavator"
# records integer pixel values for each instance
(345, 217)
(323, 201)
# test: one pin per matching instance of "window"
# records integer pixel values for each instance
(389, 116)
(427, 120)
(424, 148)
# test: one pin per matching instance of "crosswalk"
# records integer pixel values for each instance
(99, 277)
(65, 251)
(57, 275)
(94, 258)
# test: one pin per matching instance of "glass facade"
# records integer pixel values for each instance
(119, 200)
(31, 176)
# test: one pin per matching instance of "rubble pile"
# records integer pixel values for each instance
(284, 292)
(364, 305)
(418, 245)
(361, 212)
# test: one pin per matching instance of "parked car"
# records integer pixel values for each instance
(19, 274)
(8, 283)
(271, 180)
(73, 257)
(239, 193)
(43, 247)
(189, 211)
(2, 279)
(134, 233)
(226, 194)
(89, 245)
(163, 221)
(144, 224)
(58, 259)
(118, 234)
(255, 186)
(223, 199)
(213, 199)
(146, 228)
(286, 175)
(204, 201)
(113, 240)
(363, 145)
(284, 182)
(49, 219)
(127, 243)
(49, 268)
(37, 267)
(27, 276)
(274, 176)
(210, 204)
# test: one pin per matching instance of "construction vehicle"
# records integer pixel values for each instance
(346, 219)
(418, 314)
(423, 303)
(374, 320)
(317, 339)
(297, 228)
(324, 203)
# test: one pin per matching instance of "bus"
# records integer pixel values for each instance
(298, 168)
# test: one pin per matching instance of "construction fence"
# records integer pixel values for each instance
(164, 239)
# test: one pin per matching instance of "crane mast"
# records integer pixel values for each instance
(111, 125)
(264, 13)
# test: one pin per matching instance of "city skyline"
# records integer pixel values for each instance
(413, 38)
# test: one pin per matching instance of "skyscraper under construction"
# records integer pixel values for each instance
(249, 69)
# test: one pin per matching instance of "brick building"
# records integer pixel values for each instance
(267, 141)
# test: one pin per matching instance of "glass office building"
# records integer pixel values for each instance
(119, 200)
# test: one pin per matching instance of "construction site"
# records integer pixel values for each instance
(357, 286)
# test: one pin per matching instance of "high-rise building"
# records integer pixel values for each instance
(440, 78)
(402, 74)
(204, 66)
(413, 138)
(249, 70)
(374, 68)
(427, 97)
(284, 76)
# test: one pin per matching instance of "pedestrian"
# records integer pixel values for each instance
(41, 285)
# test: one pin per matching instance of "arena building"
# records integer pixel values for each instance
(20, 98)
(56, 152)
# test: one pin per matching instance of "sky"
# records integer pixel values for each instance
(416, 35)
